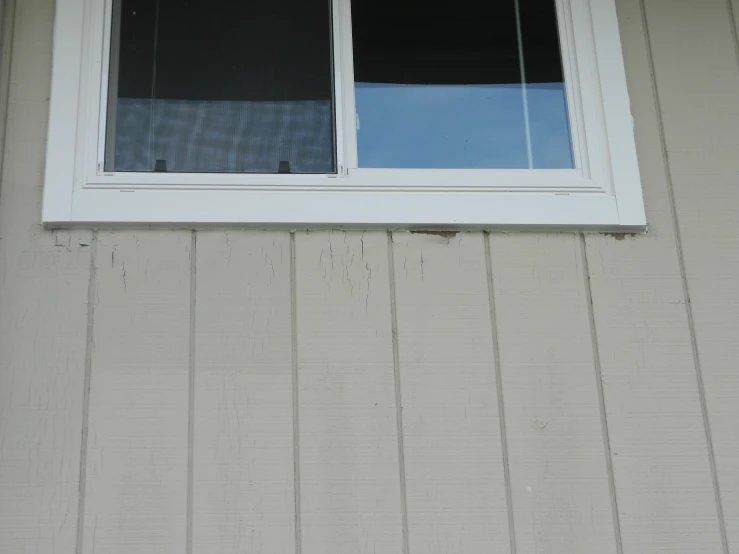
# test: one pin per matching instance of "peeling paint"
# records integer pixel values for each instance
(620, 236)
(442, 234)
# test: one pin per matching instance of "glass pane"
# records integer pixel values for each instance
(440, 85)
(545, 89)
(222, 86)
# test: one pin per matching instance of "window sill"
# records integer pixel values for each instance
(355, 209)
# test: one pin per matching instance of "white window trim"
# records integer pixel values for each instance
(603, 193)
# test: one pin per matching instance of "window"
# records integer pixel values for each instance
(229, 87)
(341, 113)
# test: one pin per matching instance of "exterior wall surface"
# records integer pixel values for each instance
(327, 392)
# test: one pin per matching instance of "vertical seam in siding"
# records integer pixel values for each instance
(89, 347)
(499, 392)
(732, 24)
(7, 24)
(684, 280)
(398, 395)
(296, 421)
(601, 395)
(191, 394)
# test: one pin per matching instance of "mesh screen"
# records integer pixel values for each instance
(224, 136)
(221, 86)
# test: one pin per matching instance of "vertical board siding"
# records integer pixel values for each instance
(349, 478)
(136, 482)
(44, 279)
(243, 437)
(452, 441)
(135, 463)
(7, 22)
(556, 448)
(697, 76)
(662, 472)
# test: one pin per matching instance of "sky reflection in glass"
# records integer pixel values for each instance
(462, 126)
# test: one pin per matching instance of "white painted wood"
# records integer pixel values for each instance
(556, 450)
(618, 113)
(373, 209)
(349, 478)
(662, 473)
(701, 117)
(346, 108)
(63, 113)
(136, 482)
(243, 412)
(77, 191)
(361, 179)
(452, 438)
(44, 279)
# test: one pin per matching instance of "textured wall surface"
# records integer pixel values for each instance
(213, 392)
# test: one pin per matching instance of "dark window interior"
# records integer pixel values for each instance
(226, 49)
(448, 42)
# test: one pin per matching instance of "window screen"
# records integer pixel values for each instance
(221, 86)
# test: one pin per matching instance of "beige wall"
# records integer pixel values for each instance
(351, 393)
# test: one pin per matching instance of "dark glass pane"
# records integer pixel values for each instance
(438, 85)
(223, 86)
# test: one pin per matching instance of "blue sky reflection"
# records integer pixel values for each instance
(461, 126)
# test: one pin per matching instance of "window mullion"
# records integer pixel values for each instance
(346, 124)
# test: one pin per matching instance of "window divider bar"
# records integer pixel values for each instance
(338, 77)
(524, 90)
(344, 68)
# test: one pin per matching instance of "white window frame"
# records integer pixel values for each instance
(604, 192)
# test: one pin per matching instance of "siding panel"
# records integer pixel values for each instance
(701, 115)
(138, 419)
(44, 279)
(349, 478)
(453, 452)
(661, 465)
(243, 437)
(556, 448)
(136, 472)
